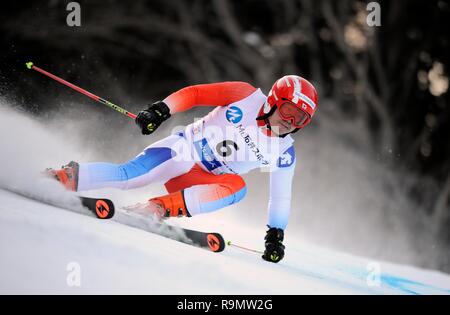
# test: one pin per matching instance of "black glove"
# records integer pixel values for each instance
(274, 245)
(151, 118)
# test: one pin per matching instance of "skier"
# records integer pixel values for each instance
(201, 166)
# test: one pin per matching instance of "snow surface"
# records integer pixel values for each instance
(38, 243)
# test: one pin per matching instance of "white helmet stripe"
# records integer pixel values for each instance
(287, 82)
(297, 90)
(275, 95)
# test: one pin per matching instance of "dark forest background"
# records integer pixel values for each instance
(387, 86)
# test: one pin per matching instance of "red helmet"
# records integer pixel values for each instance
(296, 90)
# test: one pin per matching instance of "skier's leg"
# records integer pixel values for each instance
(159, 162)
(199, 192)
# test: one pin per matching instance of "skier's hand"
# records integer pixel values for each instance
(274, 245)
(151, 118)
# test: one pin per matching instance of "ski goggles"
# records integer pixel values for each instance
(289, 111)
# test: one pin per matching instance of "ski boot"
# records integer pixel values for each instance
(171, 205)
(67, 175)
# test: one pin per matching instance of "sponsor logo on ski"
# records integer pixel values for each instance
(101, 208)
(213, 242)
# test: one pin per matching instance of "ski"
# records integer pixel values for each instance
(207, 240)
(103, 208)
(138, 216)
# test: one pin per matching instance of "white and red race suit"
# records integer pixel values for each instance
(201, 165)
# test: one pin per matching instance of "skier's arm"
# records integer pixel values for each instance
(280, 197)
(213, 94)
(279, 206)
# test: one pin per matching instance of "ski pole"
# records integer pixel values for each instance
(244, 248)
(78, 89)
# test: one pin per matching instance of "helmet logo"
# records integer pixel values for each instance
(308, 101)
(234, 114)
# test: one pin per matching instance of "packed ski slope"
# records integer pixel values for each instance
(40, 243)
